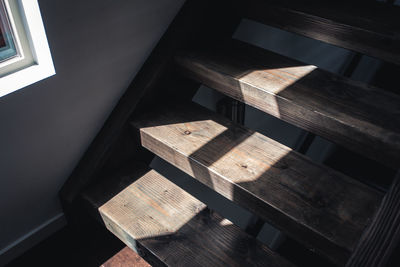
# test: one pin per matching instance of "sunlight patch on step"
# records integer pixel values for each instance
(270, 83)
(149, 208)
(225, 222)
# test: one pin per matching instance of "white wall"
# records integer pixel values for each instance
(97, 47)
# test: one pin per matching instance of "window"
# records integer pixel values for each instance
(7, 40)
(24, 52)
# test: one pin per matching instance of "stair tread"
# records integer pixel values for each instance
(357, 116)
(126, 257)
(367, 27)
(177, 229)
(312, 203)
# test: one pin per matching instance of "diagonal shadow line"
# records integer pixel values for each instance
(233, 136)
(299, 89)
(211, 152)
(318, 207)
(223, 242)
(210, 235)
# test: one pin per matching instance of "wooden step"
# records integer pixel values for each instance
(110, 185)
(170, 227)
(319, 207)
(126, 257)
(367, 27)
(357, 116)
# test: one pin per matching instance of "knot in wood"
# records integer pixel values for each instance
(187, 132)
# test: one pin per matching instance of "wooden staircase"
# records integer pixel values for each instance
(343, 220)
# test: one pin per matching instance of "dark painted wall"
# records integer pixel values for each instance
(97, 47)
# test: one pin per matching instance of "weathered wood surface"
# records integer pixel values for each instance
(188, 28)
(368, 27)
(319, 207)
(161, 219)
(359, 117)
(124, 258)
(382, 236)
(111, 185)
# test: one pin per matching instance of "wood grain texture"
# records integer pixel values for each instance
(382, 236)
(158, 217)
(359, 117)
(367, 27)
(109, 186)
(319, 207)
(187, 29)
(126, 257)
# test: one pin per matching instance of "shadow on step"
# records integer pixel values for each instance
(206, 239)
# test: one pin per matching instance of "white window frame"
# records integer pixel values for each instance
(42, 66)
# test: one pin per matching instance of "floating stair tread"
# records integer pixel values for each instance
(126, 257)
(368, 27)
(315, 205)
(178, 230)
(109, 185)
(359, 117)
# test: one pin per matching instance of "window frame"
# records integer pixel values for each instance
(42, 65)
